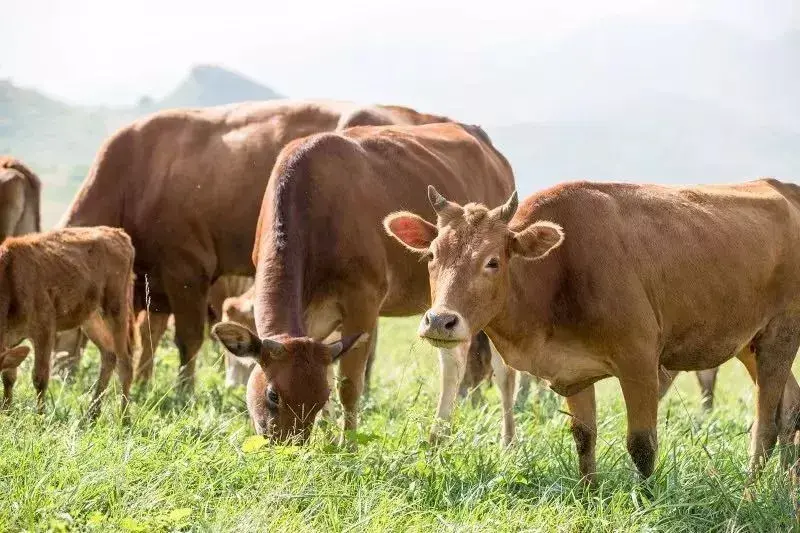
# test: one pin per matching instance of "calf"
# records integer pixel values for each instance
(74, 277)
(625, 278)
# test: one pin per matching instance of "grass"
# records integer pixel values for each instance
(196, 466)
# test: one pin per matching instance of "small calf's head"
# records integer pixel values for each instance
(468, 253)
(290, 386)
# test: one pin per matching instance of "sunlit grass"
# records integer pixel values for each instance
(195, 466)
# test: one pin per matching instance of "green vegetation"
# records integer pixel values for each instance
(198, 467)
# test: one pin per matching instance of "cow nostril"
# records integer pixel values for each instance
(451, 322)
(427, 318)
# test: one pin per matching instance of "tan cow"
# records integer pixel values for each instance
(20, 196)
(75, 277)
(592, 280)
(187, 185)
(323, 263)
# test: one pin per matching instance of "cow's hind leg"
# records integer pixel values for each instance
(188, 303)
(584, 431)
(775, 348)
(152, 326)
(43, 344)
(707, 380)
(99, 333)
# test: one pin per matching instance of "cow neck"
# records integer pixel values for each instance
(283, 254)
(527, 310)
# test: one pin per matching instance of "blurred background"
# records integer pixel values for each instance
(638, 90)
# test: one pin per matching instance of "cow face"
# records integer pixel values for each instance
(290, 385)
(468, 253)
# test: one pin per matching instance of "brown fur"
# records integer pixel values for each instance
(685, 277)
(323, 262)
(75, 277)
(20, 198)
(187, 185)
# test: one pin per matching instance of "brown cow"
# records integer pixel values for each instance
(687, 277)
(323, 263)
(187, 185)
(20, 196)
(75, 277)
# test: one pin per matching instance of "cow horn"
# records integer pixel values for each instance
(506, 211)
(275, 349)
(445, 209)
(338, 348)
(438, 201)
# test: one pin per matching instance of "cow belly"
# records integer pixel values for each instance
(701, 357)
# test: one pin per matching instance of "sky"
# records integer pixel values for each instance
(109, 52)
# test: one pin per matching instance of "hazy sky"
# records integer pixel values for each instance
(105, 51)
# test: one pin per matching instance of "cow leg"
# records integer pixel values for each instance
(373, 344)
(352, 371)
(775, 349)
(506, 379)
(452, 365)
(68, 352)
(583, 424)
(152, 326)
(707, 379)
(43, 344)
(9, 378)
(524, 389)
(665, 380)
(789, 407)
(188, 304)
(99, 334)
(640, 389)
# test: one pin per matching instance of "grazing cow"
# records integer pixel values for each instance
(74, 277)
(20, 195)
(592, 280)
(323, 264)
(187, 185)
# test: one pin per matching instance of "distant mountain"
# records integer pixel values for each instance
(59, 141)
(209, 86)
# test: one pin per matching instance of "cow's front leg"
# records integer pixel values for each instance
(641, 392)
(584, 431)
(452, 365)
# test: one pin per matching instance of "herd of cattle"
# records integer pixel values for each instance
(291, 226)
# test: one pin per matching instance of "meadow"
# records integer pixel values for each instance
(196, 466)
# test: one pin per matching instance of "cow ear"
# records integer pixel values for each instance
(237, 339)
(537, 240)
(12, 358)
(410, 230)
(341, 347)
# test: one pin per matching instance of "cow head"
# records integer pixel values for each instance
(290, 385)
(468, 253)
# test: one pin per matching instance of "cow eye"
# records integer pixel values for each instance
(493, 263)
(272, 398)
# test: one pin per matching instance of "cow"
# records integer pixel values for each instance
(323, 264)
(20, 196)
(592, 280)
(187, 185)
(73, 277)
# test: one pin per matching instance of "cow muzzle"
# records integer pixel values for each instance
(443, 328)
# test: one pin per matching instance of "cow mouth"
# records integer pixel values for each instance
(443, 343)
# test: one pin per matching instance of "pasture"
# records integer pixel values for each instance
(197, 466)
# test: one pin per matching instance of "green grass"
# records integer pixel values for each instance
(197, 467)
